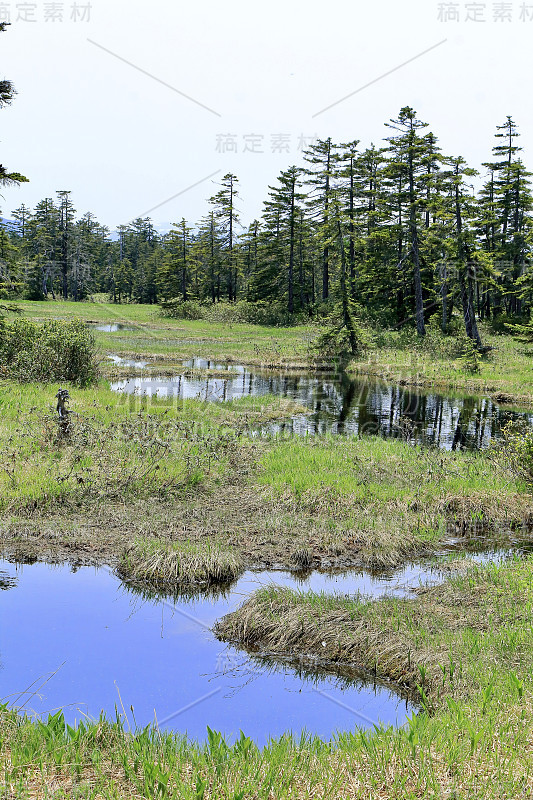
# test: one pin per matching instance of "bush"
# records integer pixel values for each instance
(513, 452)
(244, 312)
(503, 323)
(455, 344)
(335, 342)
(468, 353)
(182, 309)
(51, 352)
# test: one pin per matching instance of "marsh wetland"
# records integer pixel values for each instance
(310, 563)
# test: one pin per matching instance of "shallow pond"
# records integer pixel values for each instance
(339, 405)
(112, 327)
(82, 641)
(79, 639)
(130, 363)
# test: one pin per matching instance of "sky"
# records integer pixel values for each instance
(140, 108)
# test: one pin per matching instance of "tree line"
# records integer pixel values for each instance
(401, 230)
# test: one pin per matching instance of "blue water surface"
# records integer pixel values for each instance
(78, 639)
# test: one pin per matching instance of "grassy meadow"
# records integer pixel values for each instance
(504, 372)
(165, 340)
(196, 472)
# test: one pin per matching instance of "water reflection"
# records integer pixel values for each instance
(338, 405)
(162, 657)
(128, 362)
(7, 581)
(159, 652)
(113, 327)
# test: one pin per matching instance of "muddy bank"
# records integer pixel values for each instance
(263, 533)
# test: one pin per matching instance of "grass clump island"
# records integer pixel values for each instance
(179, 566)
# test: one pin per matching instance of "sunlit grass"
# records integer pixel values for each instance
(387, 497)
(506, 370)
(373, 468)
(179, 565)
(467, 645)
(471, 632)
(115, 444)
(168, 339)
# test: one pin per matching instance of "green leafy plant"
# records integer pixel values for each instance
(513, 452)
(53, 351)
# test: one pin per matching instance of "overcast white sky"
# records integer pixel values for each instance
(124, 142)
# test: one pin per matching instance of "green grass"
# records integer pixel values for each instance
(386, 497)
(117, 445)
(190, 466)
(321, 501)
(397, 356)
(180, 565)
(463, 648)
(373, 468)
(164, 339)
(506, 371)
(451, 641)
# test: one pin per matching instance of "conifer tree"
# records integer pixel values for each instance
(284, 209)
(348, 175)
(505, 219)
(66, 220)
(7, 94)
(320, 177)
(174, 273)
(464, 244)
(250, 260)
(407, 154)
(227, 216)
(207, 254)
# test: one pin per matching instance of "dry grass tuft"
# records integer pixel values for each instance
(183, 564)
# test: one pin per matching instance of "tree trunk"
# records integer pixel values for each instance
(444, 293)
(346, 315)
(291, 254)
(466, 288)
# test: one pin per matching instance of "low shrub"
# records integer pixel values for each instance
(244, 312)
(55, 351)
(466, 350)
(337, 343)
(87, 457)
(500, 324)
(513, 452)
(182, 309)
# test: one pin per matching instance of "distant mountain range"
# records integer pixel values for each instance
(161, 227)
